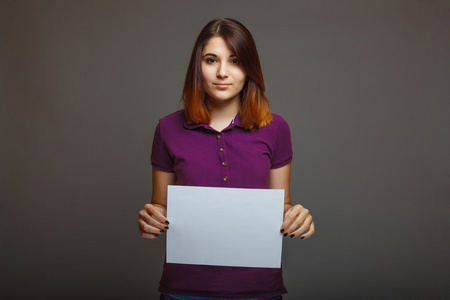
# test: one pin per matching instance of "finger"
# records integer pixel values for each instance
(289, 217)
(148, 235)
(153, 211)
(285, 223)
(298, 221)
(148, 228)
(305, 226)
(309, 233)
(312, 230)
(157, 224)
(143, 215)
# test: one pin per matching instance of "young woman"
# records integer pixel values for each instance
(226, 136)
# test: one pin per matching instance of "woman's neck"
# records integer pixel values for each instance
(222, 112)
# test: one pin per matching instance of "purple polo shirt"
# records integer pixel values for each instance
(201, 156)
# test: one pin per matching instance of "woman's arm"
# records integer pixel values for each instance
(152, 218)
(297, 219)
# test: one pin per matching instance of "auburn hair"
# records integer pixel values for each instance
(254, 107)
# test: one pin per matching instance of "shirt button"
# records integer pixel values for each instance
(225, 178)
(219, 136)
(222, 149)
(224, 164)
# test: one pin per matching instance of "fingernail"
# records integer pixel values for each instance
(292, 235)
(282, 230)
(302, 237)
(161, 231)
(167, 222)
(166, 227)
(285, 234)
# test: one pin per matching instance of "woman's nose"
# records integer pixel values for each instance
(222, 71)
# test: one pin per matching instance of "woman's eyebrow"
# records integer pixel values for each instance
(212, 54)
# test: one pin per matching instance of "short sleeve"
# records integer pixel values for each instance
(282, 154)
(161, 158)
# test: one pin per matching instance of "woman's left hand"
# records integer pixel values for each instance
(297, 220)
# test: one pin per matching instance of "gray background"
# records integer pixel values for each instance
(364, 85)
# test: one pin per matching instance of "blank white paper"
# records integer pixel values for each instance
(224, 226)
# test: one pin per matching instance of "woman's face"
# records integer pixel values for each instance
(223, 76)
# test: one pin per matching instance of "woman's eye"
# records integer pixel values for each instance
(235, 61)
(210, 60)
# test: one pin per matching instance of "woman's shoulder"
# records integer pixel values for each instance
(279, 122)
(277, 127)
(173, 117)
(171, 123)
(173, 120)
(277, 118)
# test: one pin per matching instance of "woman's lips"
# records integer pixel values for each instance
(222, 85)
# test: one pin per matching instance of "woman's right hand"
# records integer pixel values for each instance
(152, 221)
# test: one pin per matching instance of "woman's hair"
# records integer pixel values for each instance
(255, 107)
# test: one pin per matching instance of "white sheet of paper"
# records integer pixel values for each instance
(224, 226)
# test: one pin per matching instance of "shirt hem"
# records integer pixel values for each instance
(162, 168)
(210, 294)
(279, 165)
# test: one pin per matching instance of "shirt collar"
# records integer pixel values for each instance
(235, 122)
